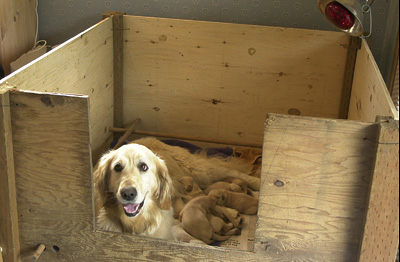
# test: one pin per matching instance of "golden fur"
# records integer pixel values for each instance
(194, 220)
(241, 202)
(147, 209)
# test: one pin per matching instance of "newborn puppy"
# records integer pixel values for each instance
(190, 190)
(181, 235)
(221, 228)
(239, 182)
(194, 220)
(223, 185)
(243, 203)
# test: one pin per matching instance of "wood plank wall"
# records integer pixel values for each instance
(17, 30)
(216, 80)
(82, 65)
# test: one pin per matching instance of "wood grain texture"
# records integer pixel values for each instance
(218, 81)
(9, 231)
(315, 175)
(370, 96)
(18, 29)
(54, 190)
(52, 166)
(82, 65)
(381, 233)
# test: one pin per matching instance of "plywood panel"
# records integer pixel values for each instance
(315, 177)
(82, 65)
(219, 81)
(52, 165)
(370, 96)
(18, 30)
(381, 232)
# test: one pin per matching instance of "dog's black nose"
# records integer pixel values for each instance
(128, 193)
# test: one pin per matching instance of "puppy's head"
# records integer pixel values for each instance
(186, 183)
(189, 186)
(130, 177)
(220, 195)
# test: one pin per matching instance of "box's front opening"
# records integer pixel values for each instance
(239, 236)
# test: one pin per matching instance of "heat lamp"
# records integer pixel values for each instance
(346, 15)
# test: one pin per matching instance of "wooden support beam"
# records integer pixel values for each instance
(381, 231)
(118, 35)
(190, 138)
(9, 230)
(127, 133)
(354, 46)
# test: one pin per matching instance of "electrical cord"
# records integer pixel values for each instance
(37, 24)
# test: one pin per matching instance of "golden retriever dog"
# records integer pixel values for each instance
(136, 184)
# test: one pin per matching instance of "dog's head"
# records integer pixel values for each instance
(131, 176)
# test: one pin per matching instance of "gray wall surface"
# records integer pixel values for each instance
(59, 20)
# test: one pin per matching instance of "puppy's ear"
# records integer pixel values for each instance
(165, 189)
(101, 177)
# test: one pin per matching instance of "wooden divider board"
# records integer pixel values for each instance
(315, 178)
(370, 96)
(381, 232)
(218, 80)
(83, 65)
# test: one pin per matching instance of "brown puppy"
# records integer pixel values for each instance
(243, 203)
(181, 235)
(237, 181)
(221, 228)
(194, 220)
(190, 190)
(223, 185)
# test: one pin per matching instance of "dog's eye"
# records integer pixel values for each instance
(118, 168)
(143, 167)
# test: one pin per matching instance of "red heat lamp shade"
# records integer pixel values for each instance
(339, 16)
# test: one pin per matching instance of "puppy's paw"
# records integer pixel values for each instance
(238, 232)
(254, 183)
(239, 222)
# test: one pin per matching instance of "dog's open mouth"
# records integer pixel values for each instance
(132, 210)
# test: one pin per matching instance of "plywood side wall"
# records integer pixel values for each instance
(219, 81)
(370, 97)
(315, 180)
(83, 65)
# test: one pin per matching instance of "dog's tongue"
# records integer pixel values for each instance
(131, 208)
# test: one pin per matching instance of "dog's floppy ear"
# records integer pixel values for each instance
(101, 177)
(164, 192)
